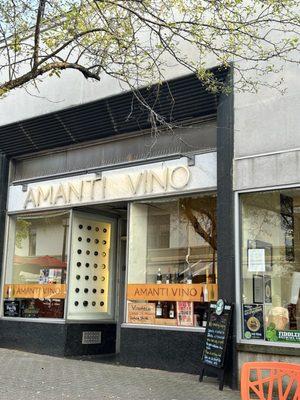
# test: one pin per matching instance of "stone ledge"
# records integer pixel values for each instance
(267, 349)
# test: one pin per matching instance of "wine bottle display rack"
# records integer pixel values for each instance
(90, 267)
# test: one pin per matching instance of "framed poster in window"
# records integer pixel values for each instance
(268, 252)
(11, 308)
(185, 313)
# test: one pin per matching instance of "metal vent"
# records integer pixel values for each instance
(176, 100)
(91, 337)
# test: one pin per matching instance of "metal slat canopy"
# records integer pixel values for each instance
(176, 100)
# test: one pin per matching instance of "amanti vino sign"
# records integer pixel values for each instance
(167, 177)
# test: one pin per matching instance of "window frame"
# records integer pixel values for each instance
(238, 266)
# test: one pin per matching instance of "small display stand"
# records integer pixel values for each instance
(216, 338)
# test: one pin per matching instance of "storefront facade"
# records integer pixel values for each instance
(266, 183)
(104, 256)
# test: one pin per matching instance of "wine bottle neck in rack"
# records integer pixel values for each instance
(159, 277)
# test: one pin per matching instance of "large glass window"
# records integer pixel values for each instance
(35, 279)
(172, 271)
(270, 263)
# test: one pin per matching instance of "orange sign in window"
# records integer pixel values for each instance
(171, 292)
(35, 291)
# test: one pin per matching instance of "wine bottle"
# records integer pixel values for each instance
(189, 279)
(177, 279)
(212, 293)
(207, 275)
(172, 311)
(158, 310)
(204, 319)
(159, 277)
(165, 313)
(205, 293)
(201, 295)
(168, 279)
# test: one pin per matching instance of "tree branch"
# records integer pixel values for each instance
(37, 33)
(35, 73)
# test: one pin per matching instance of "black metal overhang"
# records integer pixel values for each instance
(176, 101)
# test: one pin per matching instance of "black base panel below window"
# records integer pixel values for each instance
(34, 337)
(56, 339)
(176, 351)
(74, 344)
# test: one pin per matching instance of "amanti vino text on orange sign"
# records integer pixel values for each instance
(172, 292)
(35, 291)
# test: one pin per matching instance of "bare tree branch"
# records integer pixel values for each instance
(36, 46)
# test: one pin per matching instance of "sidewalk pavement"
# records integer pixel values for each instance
(26, 376)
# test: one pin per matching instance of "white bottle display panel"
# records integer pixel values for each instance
(91, 274)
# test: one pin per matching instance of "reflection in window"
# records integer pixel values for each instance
(270, 262)
(35, 282)
(32, 242)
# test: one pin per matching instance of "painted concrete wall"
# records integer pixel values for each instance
(244, 357)
(267, 135)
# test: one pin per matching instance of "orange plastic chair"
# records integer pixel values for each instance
(270, 381)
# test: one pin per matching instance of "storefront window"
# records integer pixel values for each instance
(35, 279)
(270, 262)
(172, 271)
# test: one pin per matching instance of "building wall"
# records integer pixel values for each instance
(267, 135)
(267, 154)
(259, 357)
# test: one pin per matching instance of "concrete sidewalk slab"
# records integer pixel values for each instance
(27, 376)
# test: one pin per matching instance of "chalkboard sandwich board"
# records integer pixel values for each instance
(216, 338)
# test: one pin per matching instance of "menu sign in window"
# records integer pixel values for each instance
(141, 313)
(216, 335)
